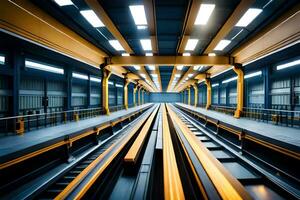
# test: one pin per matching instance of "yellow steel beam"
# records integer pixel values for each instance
(158, 77)
(126, 93)
(144, 71)
(240, 91)
(101, 13)
(172, 182)
(23, 18)
(239, 11)
(170, 60)
(282, 32)
(189, 71)
(191, 14)
(186, 84)
(195, 94)
(208, 93)
(119, 71)
(105, 77)
(172, 78)
(150, 15)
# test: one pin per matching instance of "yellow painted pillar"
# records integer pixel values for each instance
(105, 77)
(126, 93)
(195, 94)
(240, 91)
(208, 93)
(189, 95)
(139, 95)
(134, 94)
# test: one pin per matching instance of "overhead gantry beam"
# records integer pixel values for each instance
(101, 13)
(151, 19)
(188, 25)
(279, 34)
(158, 77)
(26, 20)
(239, 11)
(144, 71)
(172, 78)
(170, 60)
(189, 71)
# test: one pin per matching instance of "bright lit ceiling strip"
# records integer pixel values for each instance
(64, 2)
(2, 59)
(80, 76)
(289, 64)
(116, 45)
(222, 44)
(138, 14)
(97, 80)
(204, 13)
(43, 67)
(92, 18)
(248, 17)
(146, 44)
(191, 44)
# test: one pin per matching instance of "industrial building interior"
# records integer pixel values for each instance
(150, 99)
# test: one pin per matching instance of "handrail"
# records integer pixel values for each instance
(135, 149)
(106, 157)
(172, 182)
(227, 186)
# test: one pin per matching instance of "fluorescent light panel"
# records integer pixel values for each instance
(138, 14)
(142, 27)
(80, 76)
(179, 67)
(190, 75)
(2, 59)
(43, 67)
(186, 54)
(289, 64)
(204, 13)
(143, 75)
(92, 18)
(149, 54)
(258, 73)
(215, 85)
(97, 80)
(154, 75)
(248, 17)
(211, 54)
(125, 54)
(230, 79)
(64, 2)
(177, 75)
(119, 85)
(146, 44)
(222, 44)
(110, 83)
(137, 67)
(191, 44)
(116, 45)
(151, 67)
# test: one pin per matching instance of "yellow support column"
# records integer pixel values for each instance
(105, 77)
(208, 93)
(195, 94)
(240, 91)
(126, 93)
(189, 95)
(134, 94)
(139, 95)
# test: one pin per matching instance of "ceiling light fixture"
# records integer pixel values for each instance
(258, 73)
(138, 14)
(137, 67)
(97, 80)
(211, 54)
(289, 64)
(186, 54)
(2, 59)
(43, 67)
(141, 27)
(248, 17)
(116, 45)
(146, 44)
(92, 18)
(204, 13)
(215, 85)
(149, 54)
(80, 76)
(190, 75)
(151, 67)
(64, 2)
(179, 67)
(222, 44)
(177, 75)
(191, 44)
(125, 54)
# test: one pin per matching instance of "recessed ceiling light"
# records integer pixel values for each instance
(258, 73)
(92, 18)
(222, 44)
(110, 83)
(191, 44)
(248, 17)
(2, 59)
(190, 75)
(215, 85)
(64, 2)
(97, 80)
(154, 75)
(179, 67)
(211, 54)
(186, 54)
(119, 85)
(289, 64)
(125, 54)
(143, 75)
(138, 14)
(137, 67)
(177, 75)
(151, 67)
(116, 45)
(146, 44)
(142, 27)
(229, 80)
(149, 54)
(204, 13)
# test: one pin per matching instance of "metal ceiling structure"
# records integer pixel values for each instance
(170, 24)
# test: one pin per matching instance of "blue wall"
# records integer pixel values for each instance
(163, 97)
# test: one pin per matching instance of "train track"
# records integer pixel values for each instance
(260, 182)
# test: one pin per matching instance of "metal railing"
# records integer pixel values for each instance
(24, 123)
(229, 110)
(116, 108)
